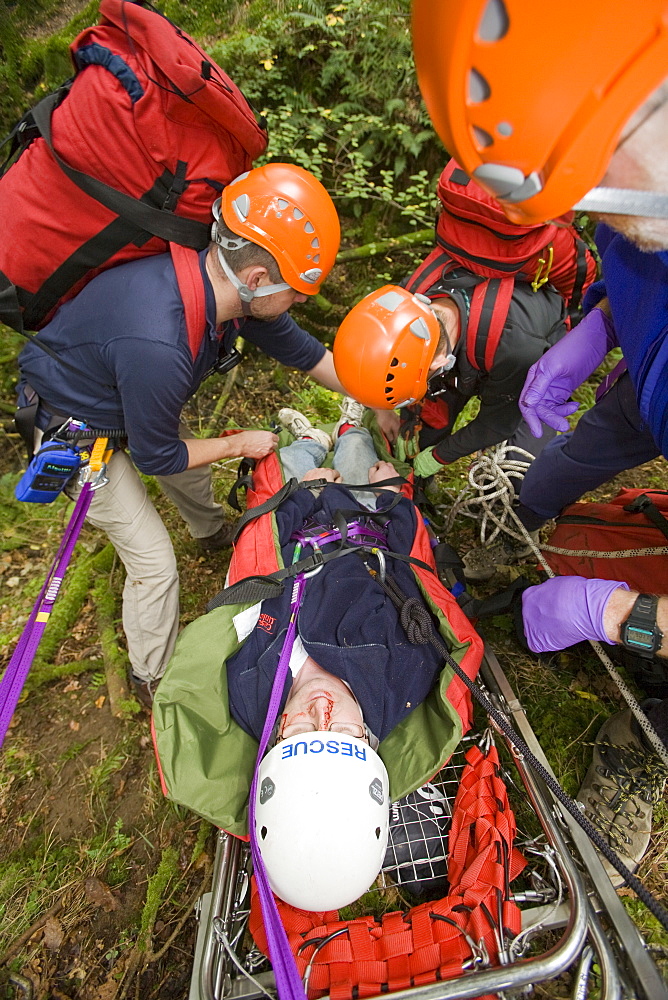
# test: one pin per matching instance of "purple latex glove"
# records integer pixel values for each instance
(566, 610)
(552, 379)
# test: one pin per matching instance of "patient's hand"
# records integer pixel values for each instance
(388, 421)
(383, 470)
(331, 475)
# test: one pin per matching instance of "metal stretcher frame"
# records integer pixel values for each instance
(626, 968)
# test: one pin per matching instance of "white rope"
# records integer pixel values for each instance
(492, 492)
(661, 550)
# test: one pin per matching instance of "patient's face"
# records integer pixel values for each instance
(318, 702)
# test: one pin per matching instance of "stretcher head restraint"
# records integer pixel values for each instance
(287, 211)
(534, 105)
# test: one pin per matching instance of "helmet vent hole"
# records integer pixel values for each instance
(394, 362)
(482, 138)
(283, 204)
(316, 259)
(377, 833)
(315, 243)
(388, 390)
(308, 227)
(479, 89)
(263, 832)
(389, 377)
(495, 21)
(297, 212)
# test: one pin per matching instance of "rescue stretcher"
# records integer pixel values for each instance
(573, 923)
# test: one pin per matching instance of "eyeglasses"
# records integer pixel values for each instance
(354, 729)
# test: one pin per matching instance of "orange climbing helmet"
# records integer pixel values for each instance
(384, 346)
(286, 210)
(532, 100)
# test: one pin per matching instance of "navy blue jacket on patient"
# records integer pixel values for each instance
(346, 623)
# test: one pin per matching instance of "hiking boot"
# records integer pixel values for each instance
(625, 779)
(221, 539)
(352, 414)
(481, 563)
(144, 691)
(301, 427)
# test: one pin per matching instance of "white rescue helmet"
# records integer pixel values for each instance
(321, 819)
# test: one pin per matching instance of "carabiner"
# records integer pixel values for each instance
(380, 555)
(543, 276)
(97, 464)
(95, 479)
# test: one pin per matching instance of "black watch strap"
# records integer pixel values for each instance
(640, 633)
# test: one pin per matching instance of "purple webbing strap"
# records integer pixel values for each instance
(18, 667)
(610, 379)
(357, 532)
(288, 982)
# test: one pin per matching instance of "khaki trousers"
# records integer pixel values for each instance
(124, 511)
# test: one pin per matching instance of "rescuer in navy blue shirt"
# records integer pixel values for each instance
(136, 368)
(129, 365)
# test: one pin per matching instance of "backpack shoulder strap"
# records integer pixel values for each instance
(429, 271)
(490, 303)
(581, 268)
(191, 290)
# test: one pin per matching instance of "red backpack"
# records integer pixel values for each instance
(473, 233)
(623, 539)
(120, 163)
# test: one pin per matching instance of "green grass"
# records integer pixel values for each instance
(99, 775)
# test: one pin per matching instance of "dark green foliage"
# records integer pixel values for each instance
(31, 65)
(357, 122)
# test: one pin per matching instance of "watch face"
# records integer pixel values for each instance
(642, 637)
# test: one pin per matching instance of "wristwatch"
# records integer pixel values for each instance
(639, 633)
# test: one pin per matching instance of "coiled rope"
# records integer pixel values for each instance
(491, 491)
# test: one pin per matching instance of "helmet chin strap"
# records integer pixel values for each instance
(450, 362)
(245, 293)
(448, 366)
(625, 201)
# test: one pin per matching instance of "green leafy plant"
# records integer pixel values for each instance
(357, 123)
(111, 761)
(319, 404)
